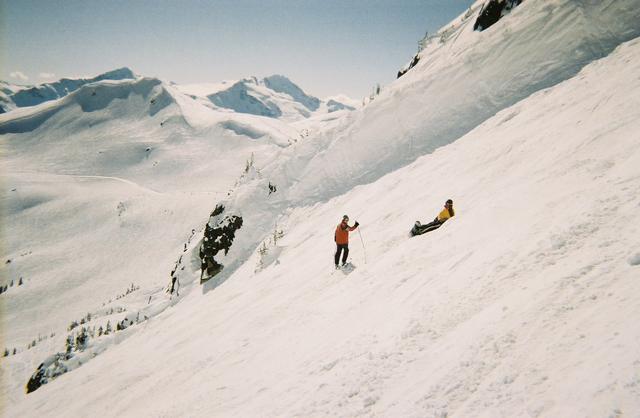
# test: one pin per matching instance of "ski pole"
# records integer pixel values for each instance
(364, 250)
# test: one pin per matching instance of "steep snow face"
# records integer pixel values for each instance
(32, 96)
(463, 78)
(528, 293)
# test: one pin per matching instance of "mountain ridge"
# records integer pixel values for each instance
(26, 96)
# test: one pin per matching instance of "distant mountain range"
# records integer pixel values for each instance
(275, 96)
(12, 96)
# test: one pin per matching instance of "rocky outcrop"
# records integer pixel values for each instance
(412, 64)
(493, 11)
(219, 234)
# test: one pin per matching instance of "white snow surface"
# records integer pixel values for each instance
(522, 305)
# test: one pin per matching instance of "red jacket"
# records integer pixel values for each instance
(342, 233)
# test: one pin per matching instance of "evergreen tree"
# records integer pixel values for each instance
(100, 331)
(14, 351)
(6, 352)
(81, 339)
(69, 344)
(108, 329)
(20, 282)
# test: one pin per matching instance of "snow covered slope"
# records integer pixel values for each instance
(468, 78)
(23, 96)
(524, 304)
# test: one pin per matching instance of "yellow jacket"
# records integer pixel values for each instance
(444, 215)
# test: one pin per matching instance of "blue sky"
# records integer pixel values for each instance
(327, 47)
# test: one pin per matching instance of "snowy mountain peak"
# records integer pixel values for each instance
(282, 84)
(117, 74)
(275, 96)
(246, 96)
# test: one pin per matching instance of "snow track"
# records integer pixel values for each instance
(129, 182)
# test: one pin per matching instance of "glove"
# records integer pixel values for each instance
(356, 224)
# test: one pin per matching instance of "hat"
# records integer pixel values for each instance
(345, 218)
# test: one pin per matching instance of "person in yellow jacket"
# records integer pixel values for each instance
(442, 217)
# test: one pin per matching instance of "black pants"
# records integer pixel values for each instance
(339, 250)
(436, 222)
(419, 230)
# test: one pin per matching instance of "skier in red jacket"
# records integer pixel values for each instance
(341, 238)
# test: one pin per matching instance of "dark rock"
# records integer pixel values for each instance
(493, 11)
(413, 63)
(217, 238)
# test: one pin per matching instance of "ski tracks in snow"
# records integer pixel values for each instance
(125, 181)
